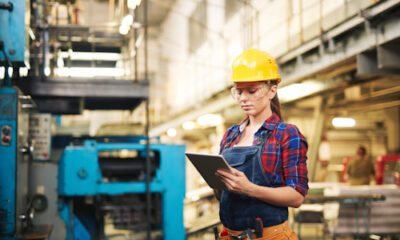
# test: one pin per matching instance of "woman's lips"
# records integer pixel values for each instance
(246, 107)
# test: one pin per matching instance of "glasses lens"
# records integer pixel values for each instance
(252, 93)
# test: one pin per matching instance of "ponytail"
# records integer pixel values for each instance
(275, 105)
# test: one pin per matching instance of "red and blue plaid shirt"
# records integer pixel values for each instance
(287, 168)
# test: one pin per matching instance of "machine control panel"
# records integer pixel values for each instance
(40, 132)
(6, 135)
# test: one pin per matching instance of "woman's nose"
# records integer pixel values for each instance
(243, 96)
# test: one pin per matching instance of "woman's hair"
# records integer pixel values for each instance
(275, 105)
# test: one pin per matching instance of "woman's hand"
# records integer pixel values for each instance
(235, 180)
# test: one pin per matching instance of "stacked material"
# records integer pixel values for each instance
(369, 217)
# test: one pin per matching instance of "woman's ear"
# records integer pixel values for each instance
(272, 91)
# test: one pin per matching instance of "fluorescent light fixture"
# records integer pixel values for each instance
(171, 132)
(90, 56)
(89, 72)
(126, 24)
(123, 30)
(47, 71)
(344, 122)
(60, 61)
(2, 72)
(189, 125)
(132, 4)
(127, 20)
(209, 120)
(23, 71)
(299, 90)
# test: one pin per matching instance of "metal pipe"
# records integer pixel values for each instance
(147, 125)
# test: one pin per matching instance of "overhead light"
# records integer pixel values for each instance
(47, 71)
(89, 72)
(2, 72)
(123, 30)
(60, 60)
(23, 71)
(209, 120)
(126, 24)
(91, 56)
(189, 125)
(132, 4)
(299, 90)
(343, 122)
(127, 20)
(171, 132)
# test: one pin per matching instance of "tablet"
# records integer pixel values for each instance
(207, 165)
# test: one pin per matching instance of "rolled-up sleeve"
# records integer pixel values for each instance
(294, 159)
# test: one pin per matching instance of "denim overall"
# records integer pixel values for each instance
(238, 212)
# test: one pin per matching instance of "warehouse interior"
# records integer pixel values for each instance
(100, 100)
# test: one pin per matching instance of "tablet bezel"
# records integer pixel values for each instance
(207, 165)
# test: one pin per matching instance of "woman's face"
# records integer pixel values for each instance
(253, 97)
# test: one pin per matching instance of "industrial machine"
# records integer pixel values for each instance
(15, 147)
(14, 155)
(105, 188)
(387, 169)
(103, 185)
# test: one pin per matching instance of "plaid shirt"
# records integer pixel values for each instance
(287, 168)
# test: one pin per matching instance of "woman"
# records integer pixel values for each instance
(267, 156)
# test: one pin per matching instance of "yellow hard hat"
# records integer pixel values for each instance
(254, 65)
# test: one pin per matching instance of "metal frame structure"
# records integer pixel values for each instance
(80, 176)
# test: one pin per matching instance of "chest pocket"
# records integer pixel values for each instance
(243, 159)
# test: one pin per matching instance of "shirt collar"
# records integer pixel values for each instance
(269, 124)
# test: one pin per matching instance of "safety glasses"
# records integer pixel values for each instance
(252, 93)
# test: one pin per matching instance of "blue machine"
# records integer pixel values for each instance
(12, 31)
(14, 123)
(13, 164)
(107, 179)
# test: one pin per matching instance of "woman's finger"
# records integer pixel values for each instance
(224, 174)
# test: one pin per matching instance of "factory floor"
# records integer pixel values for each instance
(309, 232)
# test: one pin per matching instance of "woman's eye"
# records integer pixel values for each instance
(239, 92)
(252, 91)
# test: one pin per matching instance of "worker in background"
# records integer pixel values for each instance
(267, 156)
(360, 169)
